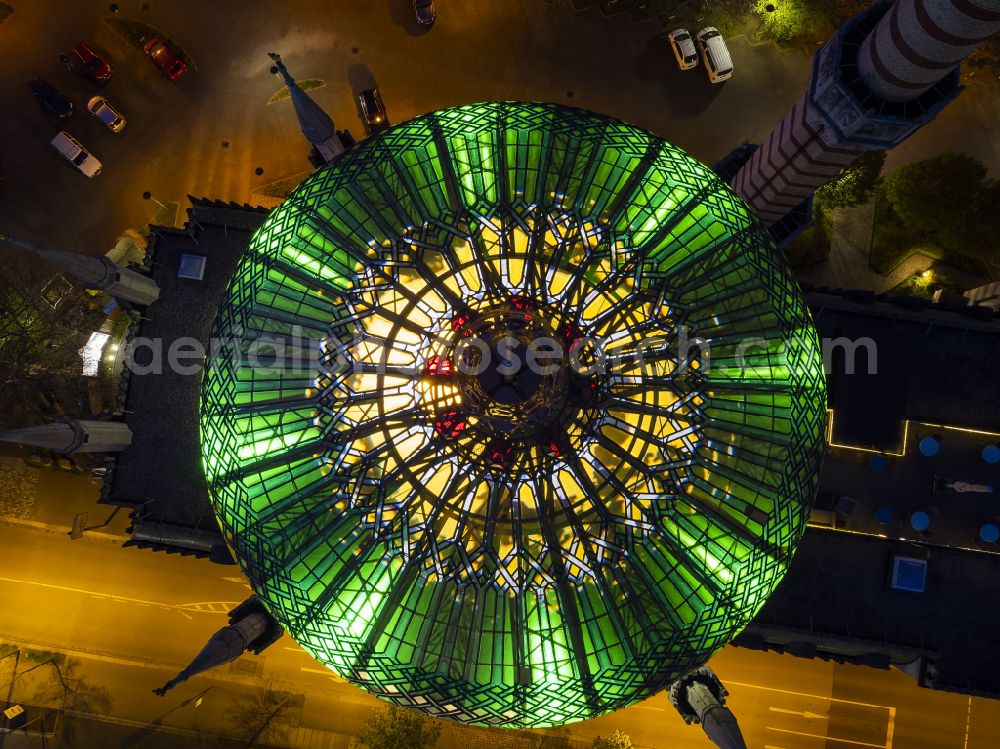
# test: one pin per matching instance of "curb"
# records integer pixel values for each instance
(60, 529)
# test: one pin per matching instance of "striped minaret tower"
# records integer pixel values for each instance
(886, 73)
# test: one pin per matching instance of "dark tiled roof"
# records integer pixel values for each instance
(162, 466)
(838, 585)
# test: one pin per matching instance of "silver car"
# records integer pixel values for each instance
(71, 150)
(683, 46)
(101, 109)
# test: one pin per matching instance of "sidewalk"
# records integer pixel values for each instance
(49, 499)
(847, 266)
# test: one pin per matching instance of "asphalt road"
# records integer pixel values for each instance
(136, 617)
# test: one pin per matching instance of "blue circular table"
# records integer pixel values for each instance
(929, 447)
(920, 520)
(991, 454)
(884, 514)
(877, 462)
(989, 533)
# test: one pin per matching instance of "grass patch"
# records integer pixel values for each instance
(166, 215)
(982, 67)
(306, 84)
(283, 187)
(813, 245)
(925, 284)
(5, 11)
(138, 33)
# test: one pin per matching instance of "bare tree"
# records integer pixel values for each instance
(262, 716)
(69, 690)
(44, 322)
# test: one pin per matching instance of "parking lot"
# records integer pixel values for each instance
(208, 133)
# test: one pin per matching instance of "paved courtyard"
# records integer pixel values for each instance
(208, 133)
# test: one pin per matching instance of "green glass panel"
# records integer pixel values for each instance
(638, 517)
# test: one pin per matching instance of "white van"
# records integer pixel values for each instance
(76, 154)
(715, 55)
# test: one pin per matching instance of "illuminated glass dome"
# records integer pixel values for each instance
(456, 528)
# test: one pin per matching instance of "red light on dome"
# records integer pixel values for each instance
(438, 366)
(460, 321)
(499, 452)
(450, 424)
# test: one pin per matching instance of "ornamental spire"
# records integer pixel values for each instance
(67, 436)
(96, 272)
(316, 124)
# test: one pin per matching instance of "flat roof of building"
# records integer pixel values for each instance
(161, 470)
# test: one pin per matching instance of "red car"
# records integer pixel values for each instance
(92, 64)
(165, 58)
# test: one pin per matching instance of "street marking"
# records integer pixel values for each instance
(182, 608)
(889, 728)
(801, 713)
(823, 736)
(804, 694)
(968, 721)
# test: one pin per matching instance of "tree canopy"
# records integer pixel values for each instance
(791, 19)
(856, 184)
(949, 198)
(398, 728)
(617, 740)
(44, 322)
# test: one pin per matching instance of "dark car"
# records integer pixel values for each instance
(51, 98)
(373, 111)
(425, 12)
(91, 64)
(165, 58)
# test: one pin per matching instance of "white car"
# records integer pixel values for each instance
(76, 154)
(101, 109)
(715, 54)
(683, 46)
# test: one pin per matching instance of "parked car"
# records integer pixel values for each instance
(715, 55)
(101, 109)
(70, 148)
(91, 64)
(51, 98)
(373, 111)
(425, 11)
(683, 46)
(165, 58)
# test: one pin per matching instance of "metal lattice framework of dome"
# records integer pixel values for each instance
(451, 529)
